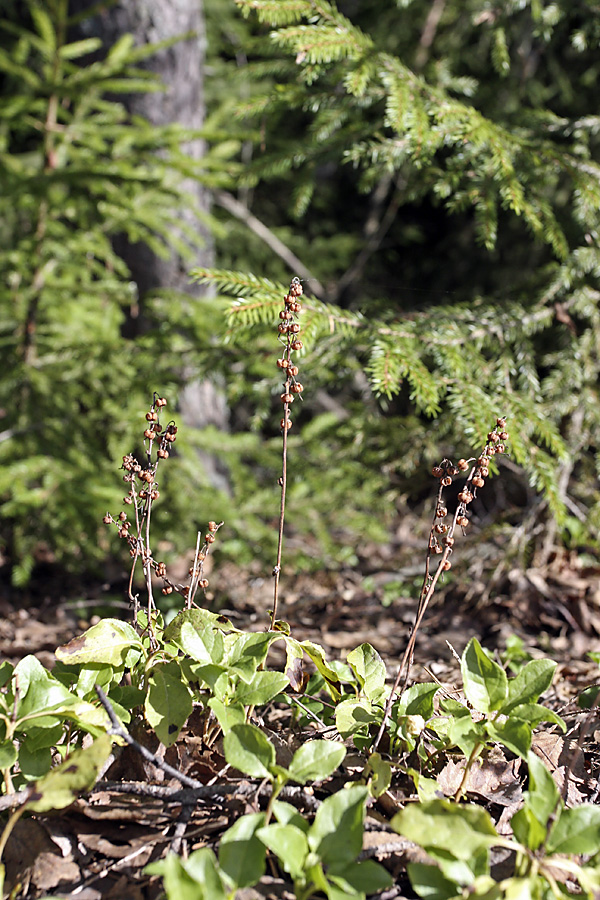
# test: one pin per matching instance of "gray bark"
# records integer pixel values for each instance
(181, 69)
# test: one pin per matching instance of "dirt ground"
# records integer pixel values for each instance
(99, 846)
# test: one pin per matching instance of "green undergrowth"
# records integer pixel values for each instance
(60, 729)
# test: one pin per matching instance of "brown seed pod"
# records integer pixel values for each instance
(294, 329)
(154, 495)
(107, 519)
(297, 388)
(501, 421)
(441, 528)
(441, 511)
(293, 371)
(437, 471)
(503, 435)
(167, 590)
(500, 448)
(297, 345)
(449, 542)
(212, 526)
(465, 496)
(446, 481)
(122, 516)
(287, 398)
(493, 437)
(149, 434)
(446, 565)
(203, 583)
(209, 538)
(151, 416)
(283, 363)
(162, 453)
(283, 329)
(463, 465)
(285, 314)
(462, 521)
(478, 481)
(127, 500)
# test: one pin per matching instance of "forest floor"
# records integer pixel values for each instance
(99, 847)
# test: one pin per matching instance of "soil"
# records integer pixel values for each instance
(100, 846)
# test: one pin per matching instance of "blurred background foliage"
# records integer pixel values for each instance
(430, 170)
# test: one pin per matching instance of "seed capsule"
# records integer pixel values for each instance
(209, 538)
(441, 511)
(283, 363)
(297, 388)
(437, 472)
(293, 371)
(463, 465)
(212, 526)
(297, 345)
(478, 481)
(446, 481)
(446, 565)
(287, 398)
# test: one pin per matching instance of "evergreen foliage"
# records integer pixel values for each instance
(442, 179)
(75, 174)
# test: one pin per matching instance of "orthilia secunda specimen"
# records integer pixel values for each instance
(288, 331)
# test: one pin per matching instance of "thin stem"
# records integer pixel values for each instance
(277, 569)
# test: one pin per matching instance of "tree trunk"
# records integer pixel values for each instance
(181, 69)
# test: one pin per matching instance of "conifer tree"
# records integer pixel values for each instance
(438, 167)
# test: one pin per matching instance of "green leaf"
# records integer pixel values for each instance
(168, 702)
(360, 878)
(485, 682)
(577, 831)
(417, 700)
(317, 655)
(249, 750)
(534, 713)
(39, 693)
(542, 799)
(444, 826)
(241, 853)
(261, 689)
(195, 632)
(369, 668)
(381, 775)
(431, 883)
(289, 844)
(353, 717)
(466, 734)
(227, 715)
(249, 651)
(8, 755)
(196, 878)
(315, 761)
(513, 734)
(109, 641)
(62, 785)
(336, 833)
(532, 680)
(286, 814)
